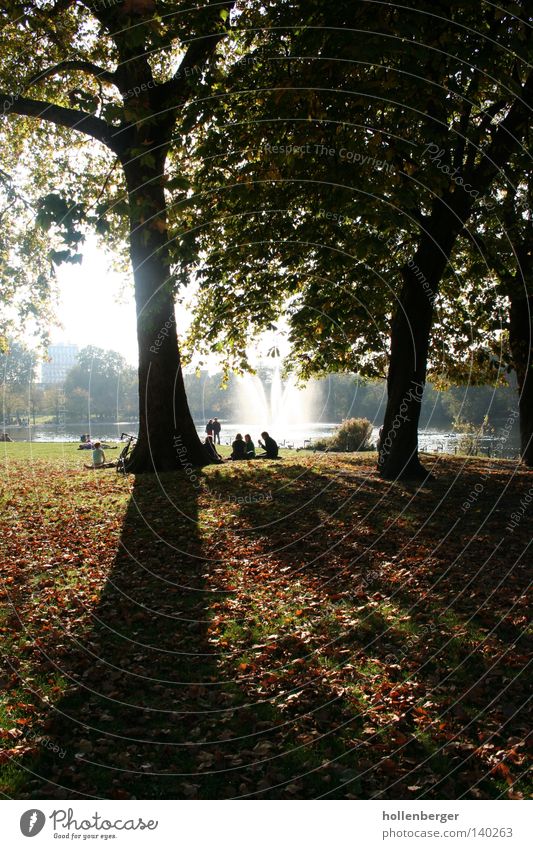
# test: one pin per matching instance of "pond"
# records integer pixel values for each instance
(293, 436)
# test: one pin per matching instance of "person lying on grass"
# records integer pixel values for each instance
(270, 447)
(88, 445)
(99, 461)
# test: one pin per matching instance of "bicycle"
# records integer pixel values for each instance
(126, 452)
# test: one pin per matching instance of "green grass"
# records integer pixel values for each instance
(69, 452)
(41, 451)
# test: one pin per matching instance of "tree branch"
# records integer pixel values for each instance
(73, 119)
(506, 139)
(73, 65)
(60, 6)
(104, 186)
(12, 190)
(197, 55)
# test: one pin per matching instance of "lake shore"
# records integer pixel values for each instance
(502, 443)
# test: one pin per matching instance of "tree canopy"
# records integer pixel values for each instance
(324, 164)
(318, 194)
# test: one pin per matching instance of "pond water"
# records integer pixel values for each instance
(294, 436)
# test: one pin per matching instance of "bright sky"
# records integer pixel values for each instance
(96, 309)
(90, 309)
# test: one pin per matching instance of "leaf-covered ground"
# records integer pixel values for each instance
(297, 629)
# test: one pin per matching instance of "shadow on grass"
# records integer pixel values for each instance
(277, 647)
(134, 682)
(152, 708)
(424, 645)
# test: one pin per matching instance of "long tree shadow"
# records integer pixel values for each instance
(138, 680)
(153, 707)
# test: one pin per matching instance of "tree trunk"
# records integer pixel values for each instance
(521, 343)
(167, 436)
(410, 334)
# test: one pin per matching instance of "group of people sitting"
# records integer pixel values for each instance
(244, 449)
(241, 449)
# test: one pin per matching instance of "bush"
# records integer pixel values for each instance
(472, 437)
(351, 435)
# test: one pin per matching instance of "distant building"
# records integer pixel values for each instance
(61, 359)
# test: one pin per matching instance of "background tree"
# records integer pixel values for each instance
(102, 385)
(17, 364)
(17, 375)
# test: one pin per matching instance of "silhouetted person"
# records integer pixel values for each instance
(238, 448)
(211, 451)
(209, 427)
(217, 427)
(250, 447)
(270, 447)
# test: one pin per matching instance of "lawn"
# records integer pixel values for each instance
(293, 629)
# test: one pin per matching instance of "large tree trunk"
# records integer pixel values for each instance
(167, 436)
(521, 343)
(411, 327)
(410, 334)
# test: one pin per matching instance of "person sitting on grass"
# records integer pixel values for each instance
(211, 451)
(250, 447)
(238, 448)
(270, 447)
(99, 461)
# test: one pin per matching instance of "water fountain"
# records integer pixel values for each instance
(275, 403)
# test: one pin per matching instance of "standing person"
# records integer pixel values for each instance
(270, 447)
(238, 448)
(217, 427)
(250, 447)
(209, 427)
